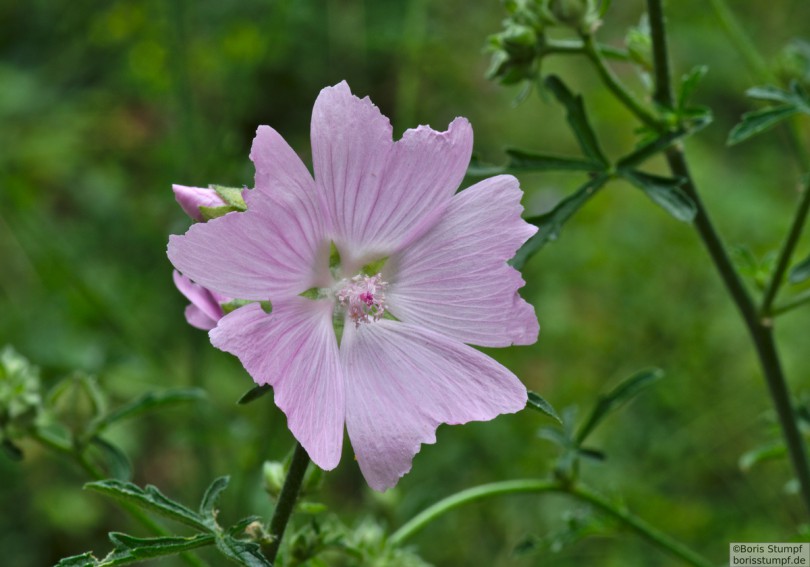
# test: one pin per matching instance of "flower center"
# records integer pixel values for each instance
(363, 298)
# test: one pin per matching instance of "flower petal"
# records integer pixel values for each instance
(191, 199)
(206, 301)
(196, 317)
(274, 249)
(293, 349)
(382, 194)
(455, 278)
(403, 381)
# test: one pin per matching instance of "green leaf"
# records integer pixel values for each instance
(150, 499)
(334, 255)
(209, 213)
(649, 149)
(538, 403)
(800, 272)
(689, 84)
(83, 560)
(148, 402)
(210, 499)
(768, 452)
(616, 398)
(523, 161)
(118, 463)
(758, 121)
(242, 552)
(770, 93)
(231, 195)
(665, 192)
(577, 119)
(550, 224)
(254, 394)
(145, 548)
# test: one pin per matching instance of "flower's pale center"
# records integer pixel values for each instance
(363, 298)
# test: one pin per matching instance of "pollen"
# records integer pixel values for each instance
(363, 298)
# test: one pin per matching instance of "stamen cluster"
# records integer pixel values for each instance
(363, 298)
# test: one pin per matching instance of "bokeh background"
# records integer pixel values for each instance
(103, 105)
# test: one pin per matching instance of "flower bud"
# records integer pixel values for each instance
(581, 15)
(273, 474)
(191, 199)
(20, 397)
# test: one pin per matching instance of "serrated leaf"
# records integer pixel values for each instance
(800, 272)
(758, 121)
(211, 497)
(148, 402)
(689, 84)
(254, 394)
(231, 195)
(577, 119)
(538, 403)
(523, 161)
(244, 553)
(150, 499)
(665, 192)
(118, 464)
(550, 224)
(768, 452)
(616, 398)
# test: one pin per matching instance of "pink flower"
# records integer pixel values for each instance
(191, 199)
(444, 280)
(205, 309)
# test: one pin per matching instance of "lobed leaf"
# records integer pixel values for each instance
(689, 84)
(244, 553)
(150, 499)
(665, 192)
(616, 398)
(210, 499)
(577, 119)
(129, 549)
(550, 224)
(538, 403)
(758, 121)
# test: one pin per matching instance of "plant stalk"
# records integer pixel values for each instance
(579, 491)
(760, 331)
(286, 500)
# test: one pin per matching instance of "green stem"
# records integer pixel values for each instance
(286, 500)
(760, 331)
(613, 83)
(577, 47)
(794, 302)
(786, 253)
(759, 70)
(579, 491)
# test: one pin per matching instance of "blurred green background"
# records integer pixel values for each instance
(104, 104)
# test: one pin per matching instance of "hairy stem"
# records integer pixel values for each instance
(759, 330)
(579, 491)
(286, 500)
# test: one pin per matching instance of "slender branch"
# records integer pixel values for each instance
(794, 302)
(786, 252)
(286, 500)
(577, 47)
(760, 72)
(579, 491)
(760, 332)
(613, 83)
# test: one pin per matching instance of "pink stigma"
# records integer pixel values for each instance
(363, 298)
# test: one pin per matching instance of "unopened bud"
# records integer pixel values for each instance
(191, 199)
